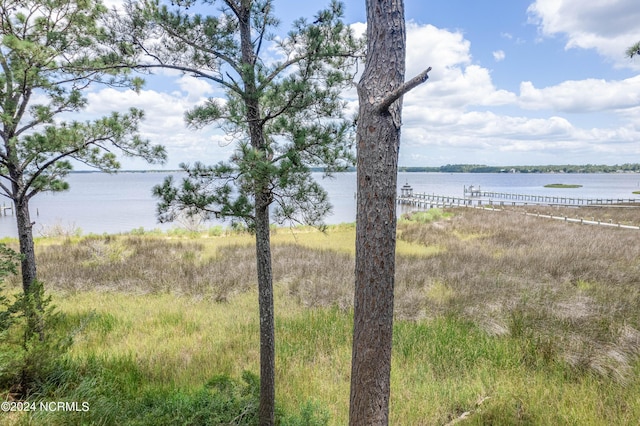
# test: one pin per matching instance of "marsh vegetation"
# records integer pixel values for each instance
(510, 318)
(562, 185)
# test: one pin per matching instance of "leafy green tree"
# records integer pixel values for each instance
(633, 50)
(282, 107)
(50, 52)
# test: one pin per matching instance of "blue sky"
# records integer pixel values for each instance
(514, 82)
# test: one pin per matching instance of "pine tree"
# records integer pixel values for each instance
(51, 51)
(282, 108)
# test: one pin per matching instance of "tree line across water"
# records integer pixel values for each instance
(473, 168)
(566, 168)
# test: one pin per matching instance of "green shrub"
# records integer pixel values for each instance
(312, 413)
(216, 231)
(31, 341)
(113, 389)
(427, 216)
(221, 401)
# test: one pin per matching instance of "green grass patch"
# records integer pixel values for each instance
(426, 216)
(135, 366)
(341, 238)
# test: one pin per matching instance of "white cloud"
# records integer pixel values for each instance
(499, 55)
(582, 96)
(454, 81)
(431, 46)
(196, 88)
(608, 26)
(460, 112)
(164, 120)
(359, 29)
(486, 137)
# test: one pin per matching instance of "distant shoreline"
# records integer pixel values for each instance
(566, 168)
(461, 168)
(466, 168)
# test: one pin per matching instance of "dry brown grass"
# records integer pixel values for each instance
(572, 291)
(147, 265)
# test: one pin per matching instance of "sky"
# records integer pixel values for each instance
(514, 82)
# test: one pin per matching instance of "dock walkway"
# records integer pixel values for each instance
(476, 197)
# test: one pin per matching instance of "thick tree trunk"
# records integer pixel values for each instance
(265, 302)
(378, 141)
(25, 237)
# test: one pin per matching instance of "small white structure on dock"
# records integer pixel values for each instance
(472, 191)
(406, 190)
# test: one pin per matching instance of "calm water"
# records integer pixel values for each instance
(100, 203)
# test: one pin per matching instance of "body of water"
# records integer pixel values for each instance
(101, 203)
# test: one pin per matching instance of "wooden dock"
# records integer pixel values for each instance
(4, 209)
(429, 201)
(524, 199)
(476, 197)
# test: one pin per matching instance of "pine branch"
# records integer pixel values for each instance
(633, 50)
(198, 46)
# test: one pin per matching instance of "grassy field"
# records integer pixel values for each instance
(502, 319)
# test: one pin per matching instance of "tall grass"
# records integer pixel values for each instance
(501, 319)
(573, 286)
(146, 370)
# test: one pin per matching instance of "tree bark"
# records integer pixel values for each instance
(29, 273)
(265, 302)
(25, 237)
(262, 200)
(378, 141)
